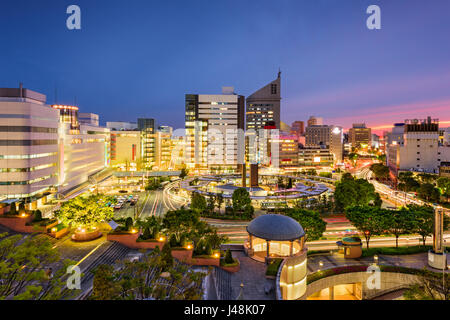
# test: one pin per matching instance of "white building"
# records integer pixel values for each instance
(419, 150)
(28, 144)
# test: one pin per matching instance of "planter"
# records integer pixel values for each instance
(18, 223)
(60, 233)
(235, 268)
(129, 240)
(205, 262)
(86, 236)
(183, 255)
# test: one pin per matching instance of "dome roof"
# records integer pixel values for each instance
(275, 227)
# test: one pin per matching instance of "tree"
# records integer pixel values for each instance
(355, 192)
(128, 223)
(444, 184)
(431, 286)
(24, 269)
(198, 203)
(380, 171)
(228, 257)
(398, 222)
(313, 225)
(184, 172)
(181, 222)
(141, 279)
(368, 220)
(429, 192)
(13, 209)
(219, 200)
(105, 285)
(151, 226)
(423, 220)
(166, 257)
(211, 203)
(241, 201)
(85, 211)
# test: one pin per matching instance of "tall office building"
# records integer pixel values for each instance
(147, 128)
(359, 135)
(264, 106)
(126, 150)
(326, 136)
(214, 130)
(163, 147)
(28, 145)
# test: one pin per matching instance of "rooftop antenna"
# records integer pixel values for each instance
(279, 72)
(21, 89)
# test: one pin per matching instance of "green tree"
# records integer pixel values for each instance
(198, 203)
(241, 199)
(368, 220)
(105, 285)
(85, 211)
(24, 269)
(444, 184)
(13, 209)
(219, 200)
(313, 225)
(211, 203)
(166, 257)
(398, 222)
(431, 286)
(429, 192)
(228, 257)
(354, 192)
(423, 220)
(380, 171)
(184, 172)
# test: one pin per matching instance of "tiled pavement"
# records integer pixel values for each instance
(252, 275)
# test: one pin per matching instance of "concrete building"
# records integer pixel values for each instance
(89, 118)
(126, 150)
(315, 156)
(264, 106)
(419, 150)
(28, 145)
(326, 136)
(83, 150)
(314, 121)
(359, 135)
(163, 147)
(121, 125)
(298, 128)
(147, 127)
(214, 130)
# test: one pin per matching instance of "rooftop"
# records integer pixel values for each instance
(275, 227)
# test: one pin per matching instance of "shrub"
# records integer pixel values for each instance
(166, 257)
(128, 223)
(21, 207)
(13, 209)
(272, 268)
(147, 234)
(228, 257)
(37, 215)
(173, 241)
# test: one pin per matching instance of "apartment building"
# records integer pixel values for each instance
(360, 136)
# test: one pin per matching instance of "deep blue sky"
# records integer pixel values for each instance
(138, 58)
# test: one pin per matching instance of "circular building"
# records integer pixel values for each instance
(274, 235)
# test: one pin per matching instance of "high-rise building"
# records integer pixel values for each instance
(264, 106)
(298, 128)
(419, 150)
(360, 136)
(214, 130)
(326, 136)
(163, 147)
(28, 145)
(315, 121)
(147, 128)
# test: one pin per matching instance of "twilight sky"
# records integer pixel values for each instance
(137, 58)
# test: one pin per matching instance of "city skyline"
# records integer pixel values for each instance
(380, 77)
